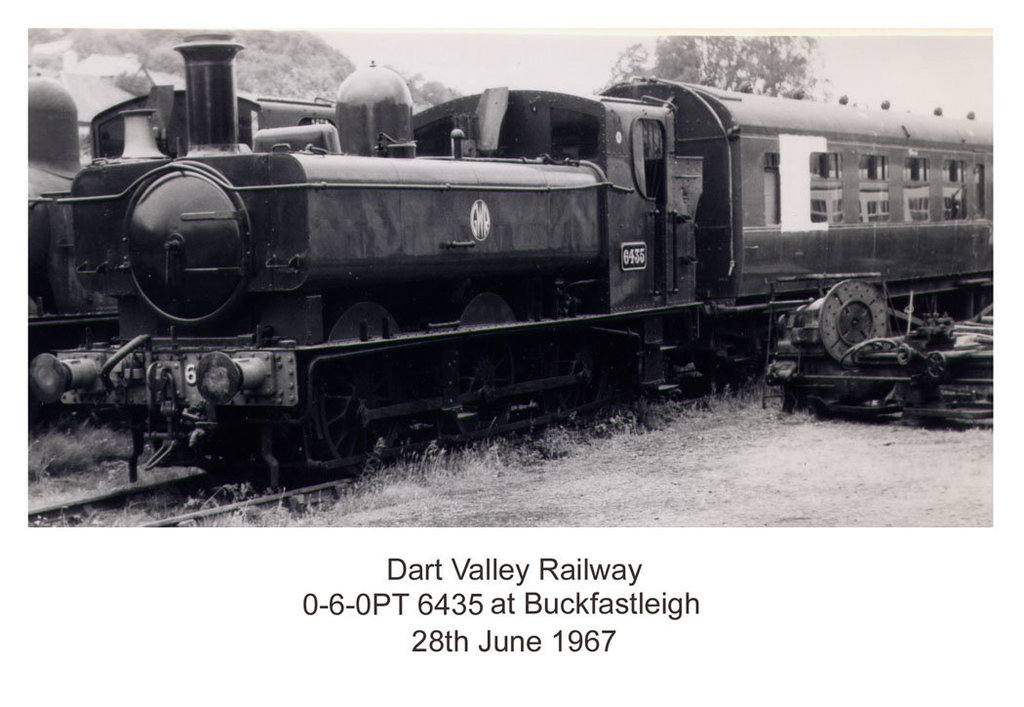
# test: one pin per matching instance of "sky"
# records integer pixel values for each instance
(915, 73)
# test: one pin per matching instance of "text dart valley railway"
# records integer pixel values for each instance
(491, 568)
(353, 281)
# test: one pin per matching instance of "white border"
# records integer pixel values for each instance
(795, 617)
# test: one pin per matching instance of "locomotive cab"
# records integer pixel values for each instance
(647, 246)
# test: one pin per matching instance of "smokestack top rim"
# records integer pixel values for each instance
(209, 39)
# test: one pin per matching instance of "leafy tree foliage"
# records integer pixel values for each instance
(775, 66)
(274, 63)
(427, 93)
(634, 60)
(291, 64)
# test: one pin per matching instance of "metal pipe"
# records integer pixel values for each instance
(119, 356)
(735, 309)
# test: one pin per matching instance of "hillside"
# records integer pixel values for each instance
(274, 63)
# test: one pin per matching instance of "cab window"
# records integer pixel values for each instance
(648, 141)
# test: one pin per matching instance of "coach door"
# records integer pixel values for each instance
(685, 185)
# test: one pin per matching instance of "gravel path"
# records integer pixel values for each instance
(736, 466)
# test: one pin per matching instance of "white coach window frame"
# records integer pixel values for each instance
(795, 181)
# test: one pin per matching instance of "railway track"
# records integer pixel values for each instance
(216, 499)
(82, 511)
(296, 500)
(78, 511)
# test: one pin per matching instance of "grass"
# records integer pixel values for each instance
(75, 447)
(82, 457)
(439, 472)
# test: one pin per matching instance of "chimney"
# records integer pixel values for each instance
(210, 92)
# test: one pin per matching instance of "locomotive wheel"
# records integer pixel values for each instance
(363, 321)
(487, 308)
(790, 402)
(588, 388)
(347, 395)
(483, 377)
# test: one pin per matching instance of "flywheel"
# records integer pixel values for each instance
(852, 312)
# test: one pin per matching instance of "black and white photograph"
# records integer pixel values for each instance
(513, 355)
(720, 280)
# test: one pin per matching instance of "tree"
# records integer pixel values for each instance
(774, 66)
(296, 64)
(633, 61)
(137, 84)
(426, 93)
(287, 64)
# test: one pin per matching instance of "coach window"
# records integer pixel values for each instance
(826, 187)
(979, 183)
(953, 183)
(873, 201)
(772, 202)
(915, 189)
(648, 157)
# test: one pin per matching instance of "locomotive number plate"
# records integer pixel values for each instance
(633, 255)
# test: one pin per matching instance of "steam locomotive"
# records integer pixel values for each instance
(59, 307)
(328, 294)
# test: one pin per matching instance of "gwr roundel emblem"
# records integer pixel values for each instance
(480, 220)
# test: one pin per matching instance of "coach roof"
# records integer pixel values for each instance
(766, 114)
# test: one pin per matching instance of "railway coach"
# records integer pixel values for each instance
(794, 188)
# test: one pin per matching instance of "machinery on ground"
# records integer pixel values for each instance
(842, 355)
